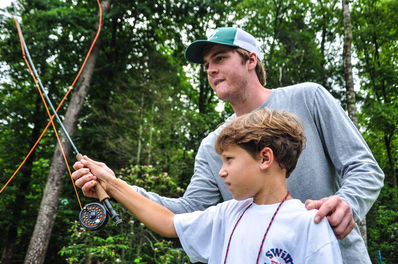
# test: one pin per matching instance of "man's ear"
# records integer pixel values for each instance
(252, 60)
(266, 158)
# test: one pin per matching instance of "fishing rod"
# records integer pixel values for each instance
(93, 216)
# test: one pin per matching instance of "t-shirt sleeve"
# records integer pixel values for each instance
(199, 232)
(323, 246)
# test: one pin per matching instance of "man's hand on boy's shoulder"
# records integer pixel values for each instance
(337, 212)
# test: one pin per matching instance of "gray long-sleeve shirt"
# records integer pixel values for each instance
(336, 161)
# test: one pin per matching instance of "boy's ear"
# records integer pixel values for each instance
(266, 158)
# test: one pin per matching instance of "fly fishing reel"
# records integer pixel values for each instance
(93, 216)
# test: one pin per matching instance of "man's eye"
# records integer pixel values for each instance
(220, 58)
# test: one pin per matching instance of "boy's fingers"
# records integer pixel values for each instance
(88, 163)
(77, 165)
(82, 180)
(101, 164)
(89, 189)
(77, 174)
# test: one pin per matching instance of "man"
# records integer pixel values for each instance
(336, 170)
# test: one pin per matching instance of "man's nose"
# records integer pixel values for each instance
(211, 69)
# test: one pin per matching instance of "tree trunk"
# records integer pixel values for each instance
(149, 158)
(45, 220)
(140, 130)
(349, 84)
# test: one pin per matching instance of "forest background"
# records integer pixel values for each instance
(146, 109)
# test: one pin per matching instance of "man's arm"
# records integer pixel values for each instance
(155, 216)
(360, 175)
(202, 190)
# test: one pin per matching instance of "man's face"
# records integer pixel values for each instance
(226, 73)
(240, 172)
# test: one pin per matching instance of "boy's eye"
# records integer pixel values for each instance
(228, 158)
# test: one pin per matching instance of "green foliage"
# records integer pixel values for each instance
(374, 44)
(298, 39)
(149, 178)
(168, 254)
(94, 247)
(131, 241)
(375, 38)
(383, 227)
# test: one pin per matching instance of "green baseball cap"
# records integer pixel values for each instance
(234, 37)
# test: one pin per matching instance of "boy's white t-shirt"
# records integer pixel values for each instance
(293, 236)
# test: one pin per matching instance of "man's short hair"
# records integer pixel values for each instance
(280, 131)
(260, 70)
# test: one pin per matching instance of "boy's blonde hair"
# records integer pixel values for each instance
(280, 131)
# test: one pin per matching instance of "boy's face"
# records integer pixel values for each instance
(241, 173)
(226, 74)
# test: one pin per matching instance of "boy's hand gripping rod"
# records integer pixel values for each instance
(93, 216)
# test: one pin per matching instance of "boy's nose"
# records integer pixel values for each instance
(222, 173)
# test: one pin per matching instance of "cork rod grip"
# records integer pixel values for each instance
(102, 195)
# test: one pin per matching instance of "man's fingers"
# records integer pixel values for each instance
(339, 214)
(346, 231)
(341, 220)
(343, 228)
(325, 207)
(314, 204)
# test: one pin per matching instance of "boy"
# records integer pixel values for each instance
(263, 224)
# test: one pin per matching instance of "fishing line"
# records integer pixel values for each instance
(33, 72)
(94, 215)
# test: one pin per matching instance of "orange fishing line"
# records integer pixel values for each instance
(58, 107)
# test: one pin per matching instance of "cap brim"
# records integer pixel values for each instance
(194, 52)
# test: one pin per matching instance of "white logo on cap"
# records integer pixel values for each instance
(213, 35)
